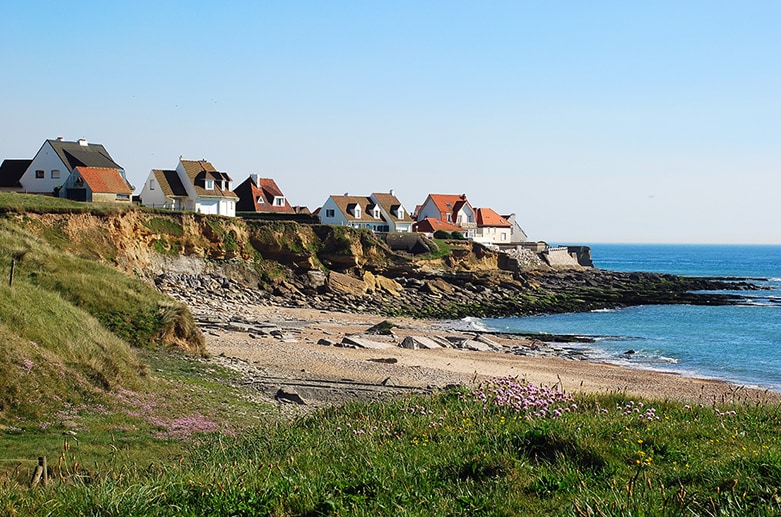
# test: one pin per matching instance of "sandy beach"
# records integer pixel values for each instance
(303, 351)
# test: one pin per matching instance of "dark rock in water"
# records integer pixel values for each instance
(290, 397)
(629, 352)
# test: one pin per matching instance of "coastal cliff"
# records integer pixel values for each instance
(329, 267)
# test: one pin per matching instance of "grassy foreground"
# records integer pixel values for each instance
(506, 448)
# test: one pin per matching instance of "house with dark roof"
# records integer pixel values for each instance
(261, 195)
(381, 213)
(10, 173)
(195, 185)
(56, 160)
(452, 209)
(96, 184)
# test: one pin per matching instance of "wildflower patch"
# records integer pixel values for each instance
(523, 398)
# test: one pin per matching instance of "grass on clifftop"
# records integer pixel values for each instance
(507, 448)
(66, 324)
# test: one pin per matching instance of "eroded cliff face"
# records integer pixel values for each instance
(147, 244)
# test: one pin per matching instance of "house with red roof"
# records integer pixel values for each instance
(430, 225)
(195, 185)
(97, 184)
(261, 195)
(452, 209)
(379, 212)
(492, 228)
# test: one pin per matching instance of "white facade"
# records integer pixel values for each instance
(217, 205)
(492, 235)
(45, 173)
(152, 195)
(330, 213)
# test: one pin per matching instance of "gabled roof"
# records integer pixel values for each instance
(75, 154)
(390, 203)
(431, 225)
(170, 183)
(201, 170)
(104, 180)
(11, 171)
(449, 203)
(488, 217)
(346, 205)
(266, 190)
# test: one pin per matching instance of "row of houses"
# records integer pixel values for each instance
(85, 171)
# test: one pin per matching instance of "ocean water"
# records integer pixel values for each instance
(739, 344)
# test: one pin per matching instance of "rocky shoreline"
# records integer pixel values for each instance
(457, 295)
(308, 350)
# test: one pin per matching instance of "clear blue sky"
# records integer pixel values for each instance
(593, 121)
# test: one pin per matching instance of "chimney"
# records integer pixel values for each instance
(391, 192)
(254, 179)
(83, 142)
(463, 196)
(60, 139)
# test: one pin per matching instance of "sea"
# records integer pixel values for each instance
(740, 343)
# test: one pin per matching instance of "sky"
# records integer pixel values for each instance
(593, 122)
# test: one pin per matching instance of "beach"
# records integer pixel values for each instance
(303, 349)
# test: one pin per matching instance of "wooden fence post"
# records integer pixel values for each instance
(40, 474)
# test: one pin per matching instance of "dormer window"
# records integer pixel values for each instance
(400, 212)
(449, 218)
(279, 201)
(355, 210)
(208, 184)
(376, 212)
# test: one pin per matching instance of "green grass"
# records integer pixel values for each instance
(450, 455)
(30, 203)
(443, 250)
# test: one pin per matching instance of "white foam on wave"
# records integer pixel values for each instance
(472, 323)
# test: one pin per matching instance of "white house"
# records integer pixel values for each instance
(492, 228)
(378, 212)
(517, 235)
(451, 209)
(195, 185)
(56, 160)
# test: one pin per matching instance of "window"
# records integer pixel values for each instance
(376, 212)
(400, 213)
(261, 201)
(151, 184)
(55, 174)
(504, 236)
(357, 212)
(279, 201)
(329, 212)
(208, 184)
(449, 218)
(39, 174)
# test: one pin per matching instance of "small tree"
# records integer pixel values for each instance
(441, 234)
(456, 235)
